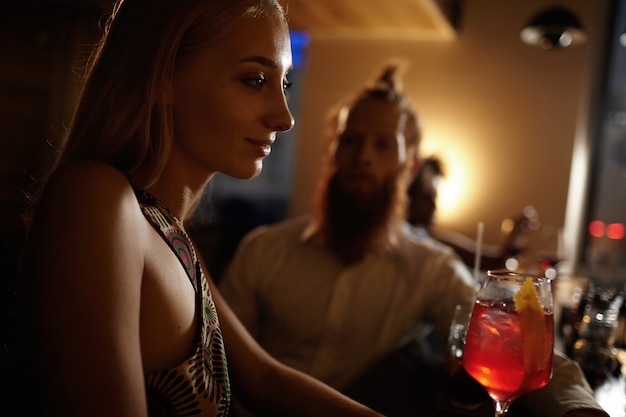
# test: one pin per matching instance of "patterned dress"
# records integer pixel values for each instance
(200, 385)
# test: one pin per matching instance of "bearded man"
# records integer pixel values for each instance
(333, 293)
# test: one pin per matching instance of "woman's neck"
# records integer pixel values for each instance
(179, 191)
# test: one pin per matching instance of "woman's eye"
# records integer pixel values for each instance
(256, 82)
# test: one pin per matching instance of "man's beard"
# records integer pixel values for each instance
(354, 222)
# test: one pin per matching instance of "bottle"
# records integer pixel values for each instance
(595, 349)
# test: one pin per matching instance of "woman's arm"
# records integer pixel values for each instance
(86, 272)
(268, 387)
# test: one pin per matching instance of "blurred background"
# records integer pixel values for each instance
(514, 124)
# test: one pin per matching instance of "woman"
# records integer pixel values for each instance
(124, 322)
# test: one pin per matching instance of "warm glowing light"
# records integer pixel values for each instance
(459, 198)
(596, 228)
(507, 226)
(454, 185)
(615, 231)
(451, 192)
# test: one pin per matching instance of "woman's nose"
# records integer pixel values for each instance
(287, 123)
(281, 119)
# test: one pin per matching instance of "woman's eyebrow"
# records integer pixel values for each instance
(261, 60)
(270, 63)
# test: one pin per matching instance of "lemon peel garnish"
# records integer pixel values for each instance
(532, 323)
(527, 300)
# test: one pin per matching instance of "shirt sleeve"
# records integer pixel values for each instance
(448, 284)
(567, 390)
(238, 284)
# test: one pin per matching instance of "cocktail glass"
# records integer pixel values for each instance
(510, 340)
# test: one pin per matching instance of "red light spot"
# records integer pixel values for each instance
(615, 231)
(596, 228)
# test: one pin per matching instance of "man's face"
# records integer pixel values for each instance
(423, 203)
(370, 148)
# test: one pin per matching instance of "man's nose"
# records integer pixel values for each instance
(364, 152)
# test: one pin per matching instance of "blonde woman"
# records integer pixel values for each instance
(124, 321)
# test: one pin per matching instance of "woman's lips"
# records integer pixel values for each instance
(262, 147)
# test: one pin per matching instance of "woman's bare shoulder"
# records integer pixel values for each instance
(87, 186)
(86, 198)
(86, 176)
(88, 236)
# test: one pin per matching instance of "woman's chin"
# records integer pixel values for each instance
(246, 174)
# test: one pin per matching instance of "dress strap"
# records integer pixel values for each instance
(201, 384)
(173, 231)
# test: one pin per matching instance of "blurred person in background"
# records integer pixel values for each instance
(338, 292)
(423, 191)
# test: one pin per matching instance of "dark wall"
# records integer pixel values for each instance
(41, 45)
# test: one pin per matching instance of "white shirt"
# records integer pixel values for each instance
(311, 312)
(333, 322)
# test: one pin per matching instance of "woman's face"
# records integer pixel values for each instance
(229, 99)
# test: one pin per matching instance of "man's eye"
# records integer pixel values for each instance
(256, 82)
(287, 85)
(347, 139)
(382, 145)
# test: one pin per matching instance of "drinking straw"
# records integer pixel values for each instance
(479, 245)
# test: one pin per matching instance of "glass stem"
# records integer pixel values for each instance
(502, 407)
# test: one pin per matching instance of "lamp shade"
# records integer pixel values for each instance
(554, 28)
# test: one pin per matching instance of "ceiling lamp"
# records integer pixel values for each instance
(554, 28)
